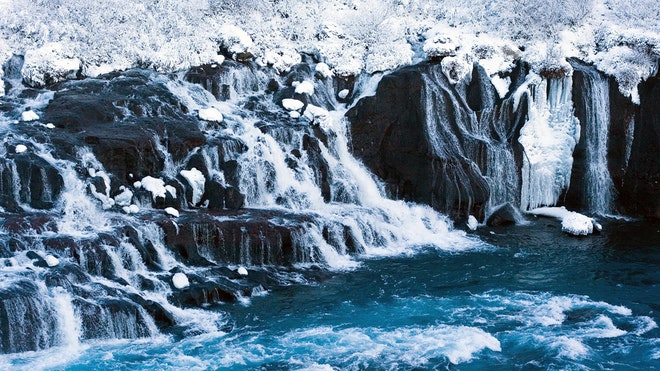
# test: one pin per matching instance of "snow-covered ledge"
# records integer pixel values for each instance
(571, 222)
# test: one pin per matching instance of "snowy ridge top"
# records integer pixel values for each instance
(58, 38)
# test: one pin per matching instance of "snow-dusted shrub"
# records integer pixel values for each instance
(456, 68)
(628, 66)
(383, 57)
(642, 14)
(49, 64)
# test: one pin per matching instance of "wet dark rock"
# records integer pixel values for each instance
(503, 215)
(640, 192)
(111, 318)
(39, 182)
(389, 133)
(206, 292)
(123, 118)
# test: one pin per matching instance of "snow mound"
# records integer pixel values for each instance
(292, 104)
(20, 148)
(48, 65)
(29, 115)
(571, 222)
(242, 271)
(180, 281)
(210, 114)
(440, 45)
(343, 94)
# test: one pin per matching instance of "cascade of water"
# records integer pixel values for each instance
(599, 187)
(548, 137)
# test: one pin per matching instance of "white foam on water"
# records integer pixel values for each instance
(411, 346)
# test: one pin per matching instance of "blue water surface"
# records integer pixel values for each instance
(528, 298)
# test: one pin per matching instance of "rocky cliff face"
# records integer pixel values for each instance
(457, 148)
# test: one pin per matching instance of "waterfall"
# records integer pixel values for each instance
(548, 138)
(598, 184)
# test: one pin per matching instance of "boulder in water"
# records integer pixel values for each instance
(503, 215)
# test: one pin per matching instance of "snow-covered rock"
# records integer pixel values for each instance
(49, 64)
(29, 115)
(125, 197)
(242, 271)
(292, 104)
(343, 94)
(132, 209)
(50, 125)
(456, 68)
(315, 113)
(472, 223)
(305, 87)
(439, 45)
(571, 222)
(180, 280)
(154, 185)
(294, 114)
(172, 212)
(52, 261)
(210, 114)
(196, 180)
(324, 70)
(281, 59)
(234, 39)
(20, 148)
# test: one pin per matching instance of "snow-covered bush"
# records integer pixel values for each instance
(49, 64)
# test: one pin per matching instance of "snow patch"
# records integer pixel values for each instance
(242, 271)
(343, 94)
(125, 197)
(234, 39)
(154, 185)
(20, 148)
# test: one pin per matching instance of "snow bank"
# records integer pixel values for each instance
(49, 64)
(571, 222)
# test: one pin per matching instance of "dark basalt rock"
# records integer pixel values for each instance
(39, 182)
(123, 118)
(390, 134)
(504, 215)
(640, 191)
